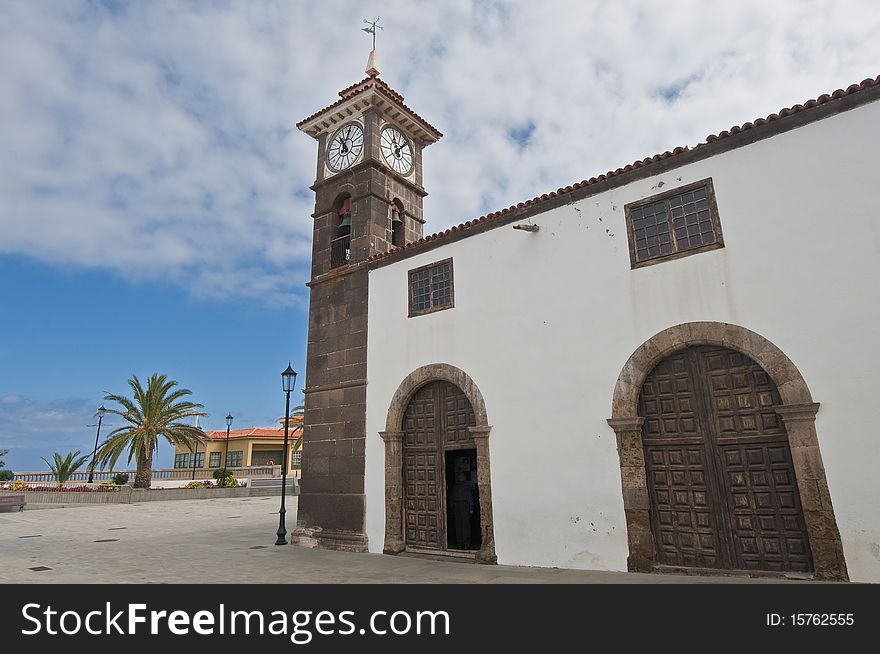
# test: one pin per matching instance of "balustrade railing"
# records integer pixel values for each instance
(340, 251)
(250, 472)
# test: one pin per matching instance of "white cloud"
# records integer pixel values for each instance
(156, 139)
(23, 419)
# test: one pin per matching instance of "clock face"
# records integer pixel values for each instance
(345, 146)
(396, 150)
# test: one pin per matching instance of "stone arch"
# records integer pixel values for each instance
(393, 438)
(798, 413)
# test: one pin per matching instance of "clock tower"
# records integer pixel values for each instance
(368, 200)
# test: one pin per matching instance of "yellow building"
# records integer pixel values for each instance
(256, 446)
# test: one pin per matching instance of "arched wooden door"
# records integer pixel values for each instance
(436, 422)
(721, 484)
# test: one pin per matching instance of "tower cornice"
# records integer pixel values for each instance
(375, 93)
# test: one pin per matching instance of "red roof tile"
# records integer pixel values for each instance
(254, 432)
(647, 161)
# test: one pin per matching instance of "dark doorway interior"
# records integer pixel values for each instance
(462, 501)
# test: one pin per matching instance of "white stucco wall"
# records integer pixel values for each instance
(543, 323)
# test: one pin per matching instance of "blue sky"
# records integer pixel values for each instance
(83, 332)
(154, 202)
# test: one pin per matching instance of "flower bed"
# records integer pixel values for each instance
(24, 487)
(207, 483)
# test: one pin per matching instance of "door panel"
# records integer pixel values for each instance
(683, 522)
(768, 525)
(684, 515)
(436, 419)
(457, 416)
(720, 477)
(423, 527)
(421, 475)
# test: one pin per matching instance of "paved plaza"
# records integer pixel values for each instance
(229, 541)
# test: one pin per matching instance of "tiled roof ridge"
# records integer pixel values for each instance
(367, 83)
(736, 129)
(344, 93)
(242, 432)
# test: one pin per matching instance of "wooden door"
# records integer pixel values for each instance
(435, 420)
(720, 478)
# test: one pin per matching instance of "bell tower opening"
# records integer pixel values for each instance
(368, 199)
(398, 224)
(340, 246)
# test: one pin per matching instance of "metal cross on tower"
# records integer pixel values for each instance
(373, 24)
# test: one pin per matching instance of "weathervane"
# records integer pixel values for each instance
(373, 60)
(372, 29)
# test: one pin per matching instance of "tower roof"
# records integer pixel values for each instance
(370, 91)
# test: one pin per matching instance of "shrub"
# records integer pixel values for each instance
(18, 485)
(224, 473)
(7, 475)
(120, 479)
(219, 473)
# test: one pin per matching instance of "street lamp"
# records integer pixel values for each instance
(195, 450)
(288, 381)
(226, 453)
(101, 413)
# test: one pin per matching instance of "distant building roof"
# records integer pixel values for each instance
(255, 432)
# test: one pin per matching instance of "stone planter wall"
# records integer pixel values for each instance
(122, 496)
(127, 495)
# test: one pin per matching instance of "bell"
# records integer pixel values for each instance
(346, 221)
(395, 218)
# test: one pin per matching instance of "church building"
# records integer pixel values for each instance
(665, 368)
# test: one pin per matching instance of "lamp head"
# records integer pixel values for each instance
(288, 379)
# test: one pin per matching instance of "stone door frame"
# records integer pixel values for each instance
(395, 541)
(798, 413)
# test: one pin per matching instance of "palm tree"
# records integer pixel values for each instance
(151, 413)
(297, 415)
(64, 466)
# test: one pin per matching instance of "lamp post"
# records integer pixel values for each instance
(195, 449)
(288, 381)
(226, 453)
(102, 411)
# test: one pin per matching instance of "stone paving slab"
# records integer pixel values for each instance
(232, 541)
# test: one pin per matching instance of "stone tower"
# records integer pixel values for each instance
(368, 200)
